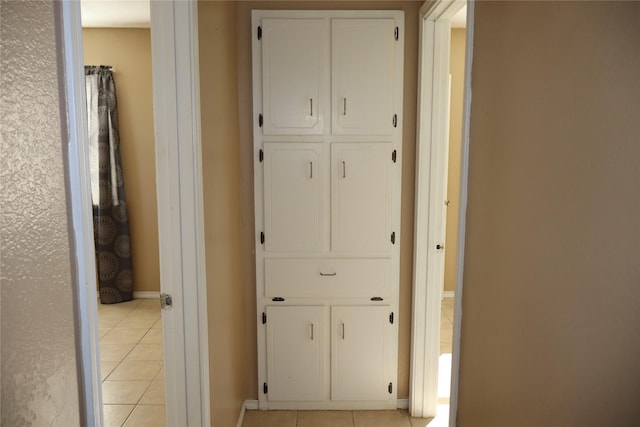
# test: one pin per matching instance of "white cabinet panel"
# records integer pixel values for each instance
(295, 347)
(293, 197)
(362, 54)
(329, 278)
(361, 197)
(293, 76)
(360, 344)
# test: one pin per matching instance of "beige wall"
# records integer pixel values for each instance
(456, 67)
(550, 331)
(128, 50)
(246, 157)
(222, 208)
(39, 359)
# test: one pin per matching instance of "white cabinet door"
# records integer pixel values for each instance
(295, 353)
(361, 180)
(360, 345)
(293, 197)
(362, 55)
(293, 76)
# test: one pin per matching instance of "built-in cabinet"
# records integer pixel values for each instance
(327, 143)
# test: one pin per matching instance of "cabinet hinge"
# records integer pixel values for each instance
(390, 388)
(264, 318)
(265, 388)
(393, 238)
(394, 155)
(262, 237)
(260, 120)
(391, 318)
(395, 120)
(277, 299)
(260, 33)
(261, 156)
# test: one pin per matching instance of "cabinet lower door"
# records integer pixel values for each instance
(295, 353)
(360, 352)
(293, 196)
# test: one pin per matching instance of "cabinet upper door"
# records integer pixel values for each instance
(360, 350)
(293, 197)
(362, 55)
(294, 76)
(361, 180)
(295, 353)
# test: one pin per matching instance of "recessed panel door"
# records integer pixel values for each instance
(293, 76)
(295, 353)
(361, 197)
(360, 342)
(362, 55)
(293, 197)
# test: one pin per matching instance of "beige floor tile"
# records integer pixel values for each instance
(134, 320)
(114, 415)
(123, 392)
(269, 419)
(420, 422)
(123, 336)
(154, 336)
(146, 352)
(158, 324)
(102, 332)
(114, 352)
(147, 416)
(136, 370)
(325, 419)
(154, 394)
(160, 375)
(380, 419)
(108, 321)
(106, 367)
(152, 304)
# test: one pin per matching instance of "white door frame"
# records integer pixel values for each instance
(431, 161)
(174, 46)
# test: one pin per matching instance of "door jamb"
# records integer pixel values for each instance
(180, 211)
(435, 28)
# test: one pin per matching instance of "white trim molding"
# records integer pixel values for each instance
(176, 105)
(448, 294)
(431, 167)
(146, 294)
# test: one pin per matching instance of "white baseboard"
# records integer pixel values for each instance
(243, 409)
(251, 405)
(403, 403)
(448, 294)
(146, 294)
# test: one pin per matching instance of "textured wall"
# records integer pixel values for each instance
(551, 325)
(128, 50)
(39, 381)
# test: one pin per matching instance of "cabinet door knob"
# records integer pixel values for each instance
(439, 246)
(310, 170)
(328, 274)
(312, 332)
(344, 106)
(342, 330)
(344, 169)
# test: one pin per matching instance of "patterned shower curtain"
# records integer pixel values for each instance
(110, 219)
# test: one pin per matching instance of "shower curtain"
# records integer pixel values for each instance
(110, 219)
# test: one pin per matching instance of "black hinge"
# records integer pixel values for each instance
(395, 120)
(376, 299)
(264, 318)
(262, 237)
(261, 156)
(394, 155)
(391, 318)
(390, 388)
(260, 33)
(265, 388)
(393, 238)
(396, 33)
(260, 120)
(277, 299)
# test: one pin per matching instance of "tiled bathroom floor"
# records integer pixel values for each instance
(399, 418)
(131, 362)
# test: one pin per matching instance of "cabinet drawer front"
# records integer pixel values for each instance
(341, 278)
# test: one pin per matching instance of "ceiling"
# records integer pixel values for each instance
(116, 13)
(136, 14)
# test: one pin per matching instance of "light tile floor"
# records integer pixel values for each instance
(399, 418)
(131, 362)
